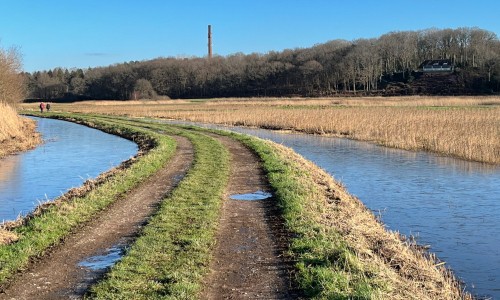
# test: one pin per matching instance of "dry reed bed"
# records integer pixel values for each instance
(465, 127)
(409, 271)
(353, 101)
(16, 133)
(363, 101)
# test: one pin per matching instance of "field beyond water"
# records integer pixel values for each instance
(338, 248)
(463, 127)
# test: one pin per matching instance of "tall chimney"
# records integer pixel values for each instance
(209, 41)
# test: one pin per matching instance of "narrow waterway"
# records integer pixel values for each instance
(450, 204)
(70, 154)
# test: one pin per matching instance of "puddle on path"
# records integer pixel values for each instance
(258, 195)
(104, 261)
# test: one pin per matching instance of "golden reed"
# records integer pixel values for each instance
(465, 127)
(16, 133)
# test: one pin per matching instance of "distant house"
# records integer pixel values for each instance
(437, 65)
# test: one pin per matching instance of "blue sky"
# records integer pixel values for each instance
(90, 33)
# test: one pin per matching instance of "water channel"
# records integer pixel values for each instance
(70, 154)
(450, 204)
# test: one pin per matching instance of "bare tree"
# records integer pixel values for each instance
(143, 90)
(12, 88)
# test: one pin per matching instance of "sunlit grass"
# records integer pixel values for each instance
(16, 133)
(339, 249)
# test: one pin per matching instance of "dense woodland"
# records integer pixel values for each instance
(379, 66)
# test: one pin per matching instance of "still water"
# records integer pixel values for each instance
(450, 204)
(70, 154)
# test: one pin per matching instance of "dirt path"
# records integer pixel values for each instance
(58, 275)
(248, 262)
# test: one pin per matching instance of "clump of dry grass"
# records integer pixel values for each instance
(16, 133)
(7, 237)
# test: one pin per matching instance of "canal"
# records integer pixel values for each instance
(69, 155)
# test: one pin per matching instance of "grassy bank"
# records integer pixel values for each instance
(173, 253)
(16, 133)
(465, 127)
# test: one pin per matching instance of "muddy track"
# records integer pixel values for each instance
(248, 261)
(58, 276)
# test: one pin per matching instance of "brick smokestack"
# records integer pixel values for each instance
(209, 41)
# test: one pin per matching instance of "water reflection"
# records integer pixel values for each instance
(9, 168)
(258, 195)
(71, 153)
(451, 204)
(107, 259)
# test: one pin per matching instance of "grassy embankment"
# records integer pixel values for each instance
(340, 250)
(16, 133)
(464, 127)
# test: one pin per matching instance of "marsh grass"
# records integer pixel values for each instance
(16, 133)
(464, 127)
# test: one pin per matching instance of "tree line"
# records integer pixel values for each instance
(363, 66)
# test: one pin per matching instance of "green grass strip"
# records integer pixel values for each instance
(171, 257)
(48, 229)
(326, 267)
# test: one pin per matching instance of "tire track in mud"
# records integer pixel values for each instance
(58, 275)
(248, 261)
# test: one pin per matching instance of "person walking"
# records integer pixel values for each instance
(47, 106)
(42, 106)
